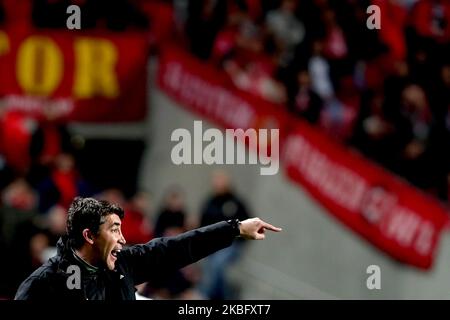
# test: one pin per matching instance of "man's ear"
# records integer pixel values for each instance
(87, 235)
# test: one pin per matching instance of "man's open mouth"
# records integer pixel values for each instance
(115, 252)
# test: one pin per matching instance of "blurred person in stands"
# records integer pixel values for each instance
(55, 221)
(304, 102)
(394, 16)
(286, 29)
(422, 64)
(240, 50)
(62, 183)
(16, 132)
(335, 47)
(171, 221)
(394, 83)
(223, 204)
(49, 139)
(331, 74)
(171, 218)
(416, 135)
(19, 195)
(205, 18)
(332, 113)
(180, 14)
(440, 98)
(428, 37)
(243, 31)
(319, 71)
(348, 100)
(107, 270)
(374, 130)
(239, 33)
(255, 78)
(18, 210)
(431, 19)
(19, 202)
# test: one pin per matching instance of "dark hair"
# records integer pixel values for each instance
(88, 213)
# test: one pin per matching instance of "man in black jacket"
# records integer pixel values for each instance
(92, 263)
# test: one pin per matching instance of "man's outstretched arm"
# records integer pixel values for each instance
(162, 256)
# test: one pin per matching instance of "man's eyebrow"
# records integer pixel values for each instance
(116, 224)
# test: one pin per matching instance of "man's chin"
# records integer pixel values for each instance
(111, 263)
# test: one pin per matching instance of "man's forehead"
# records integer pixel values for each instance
(113, 219)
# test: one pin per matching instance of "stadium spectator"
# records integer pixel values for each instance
(394, 17)
(16, 134)
(416, 125)
(431, 19)
(171, 221)
(374, 130)
(19, 207)
(319, 70)
(286, 29)
(335, 47)
(256, 77)
(171, 218)
(223, 204)
(205, 18)
(305, 103)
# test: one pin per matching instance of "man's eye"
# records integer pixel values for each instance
(115, 230)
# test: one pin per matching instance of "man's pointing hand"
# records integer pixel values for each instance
(253, 229)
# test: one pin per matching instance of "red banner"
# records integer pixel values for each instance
(74, 75)
(389, 213)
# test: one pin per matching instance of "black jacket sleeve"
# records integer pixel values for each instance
(161, 256)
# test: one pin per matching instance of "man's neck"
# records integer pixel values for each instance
(86, 257)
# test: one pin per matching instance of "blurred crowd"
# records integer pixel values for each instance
(385, 91)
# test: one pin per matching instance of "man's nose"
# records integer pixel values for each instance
(122, 240)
